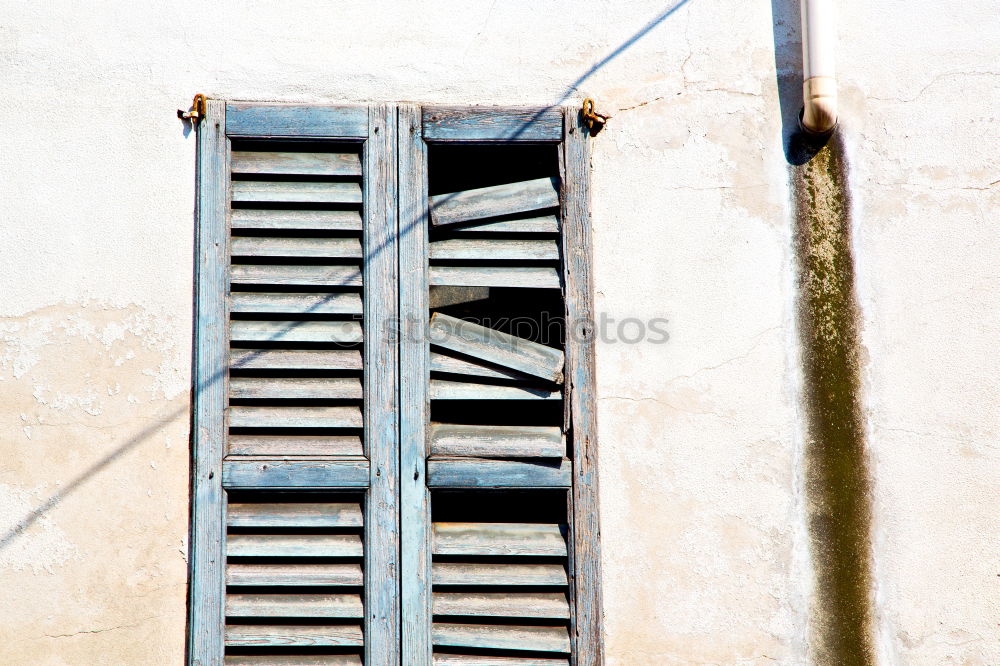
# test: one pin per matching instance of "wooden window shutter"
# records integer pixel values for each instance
(294, 523)
(497, 434)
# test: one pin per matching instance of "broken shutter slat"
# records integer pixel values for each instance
(497, 347)
(288, 163)
(458, 366)
(494, 201)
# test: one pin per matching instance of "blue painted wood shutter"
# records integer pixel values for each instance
(295, 528)
(334, 520)
(498, 497)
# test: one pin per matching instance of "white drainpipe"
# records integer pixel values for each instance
(819, 72)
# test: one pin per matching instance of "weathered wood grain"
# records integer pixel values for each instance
(294, 445)
(494, 249)
(258, 635)
(340, 473)
(294, 605)
(294, 660)
(441, 389)
(545, 224)
(494, 201)
(415, 532)
(382, 620)
(294, 514)
(347, 302)
(279, 246)
(488, 573)
(341, 332)
(294, 545)
(528, 277)
(254, 119)
(580, 376)
(499, 539)
(307, 276)
(472, 123)
(502, 637)
(471, 339)
(489, 441)
(295, 388)
(441, 659)
(324, 220)
(296, 163)
(295, 417)
(459, 366)
(298, 359)
(486, 473)
(294, 575)
(552, 605)
(284, 191)
(205, 637)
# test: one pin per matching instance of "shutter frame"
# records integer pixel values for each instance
(207, 567)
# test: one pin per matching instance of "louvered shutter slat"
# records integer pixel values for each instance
(280, 359)
(314, 220)
(263, 191)
(294, 660)
(494, 249)
(498, 539)
(545, 224)
(276, 246)
(255, 635)
(442, 389)
(292, 275)
(502, 604)
(294, 515)
(294, 545)
(295, 445)
(296, 388)
(502, 637)
(479, 573)
(294, 574)
(295, 417)
(312, 164)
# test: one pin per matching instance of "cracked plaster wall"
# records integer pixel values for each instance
(705, 557)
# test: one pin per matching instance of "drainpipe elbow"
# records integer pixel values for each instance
(819, 105)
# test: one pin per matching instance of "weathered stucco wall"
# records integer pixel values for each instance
(706, 552)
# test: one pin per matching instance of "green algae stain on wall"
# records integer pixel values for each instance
(838, 496)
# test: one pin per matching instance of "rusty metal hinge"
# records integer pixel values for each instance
(595, 121)
(197, 111)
